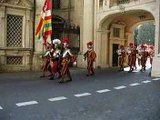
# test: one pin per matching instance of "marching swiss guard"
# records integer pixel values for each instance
(46, 60)
(90, 56)
(144, 55)
(134, 56)
(56, 58)
(67, 57)
(130, 58)
(121, 55)
(151, 54)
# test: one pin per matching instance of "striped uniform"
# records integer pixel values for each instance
(66, 59)
(90, 55)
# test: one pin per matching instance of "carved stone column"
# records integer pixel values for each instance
(2, 36)
(27, 29)
(2, 26)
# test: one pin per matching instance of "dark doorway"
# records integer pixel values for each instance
(57, 27)
(61, 28)
(115, 55)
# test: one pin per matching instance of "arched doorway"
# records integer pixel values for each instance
(116, 29)
(57, 27)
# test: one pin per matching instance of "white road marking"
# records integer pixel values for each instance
(57, 98)
(120, 87)
(1, 108)
(26, 103)
(134, 84)
(82, 94)
(103, 91)
(156, 79)
(146, 81)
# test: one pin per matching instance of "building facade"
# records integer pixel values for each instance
(16, 35)
(107, 23)
(112, 22)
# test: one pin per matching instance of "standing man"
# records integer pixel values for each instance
(66, 59)
(90, 55)
(121, 55)
(55, 58)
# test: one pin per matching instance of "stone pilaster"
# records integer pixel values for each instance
(2, 26)
(101, 48)
(156, 61)
(87, 29)
(88, 25)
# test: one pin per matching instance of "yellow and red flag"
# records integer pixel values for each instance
(44, 27)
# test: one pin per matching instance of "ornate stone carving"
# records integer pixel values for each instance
(16, 2)
(3, 1)
(24, 3)
(106, 2)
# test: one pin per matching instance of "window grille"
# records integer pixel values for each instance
(116, 32)
(14, 30)
(14, 60)
(122, 1)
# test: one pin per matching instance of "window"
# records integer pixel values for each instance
(14, 60)
(56, 4)
(116, 32)
(100, 3)
(14, 30)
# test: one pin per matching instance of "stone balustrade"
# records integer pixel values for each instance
(110, 4)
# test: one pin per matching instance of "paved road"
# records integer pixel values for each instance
(109, 95)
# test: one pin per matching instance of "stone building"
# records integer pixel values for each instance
(16, 35)
(107, 23)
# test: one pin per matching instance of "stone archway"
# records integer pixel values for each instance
(117, 29)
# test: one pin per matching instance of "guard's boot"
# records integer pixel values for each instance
(69, 75)
(42, 76)
(92, 72)
(61, 81)
(51, 78)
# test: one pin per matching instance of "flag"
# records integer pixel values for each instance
(44, 27)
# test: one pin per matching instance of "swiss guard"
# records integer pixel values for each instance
(66, 59)
(144, 56)
(151, 53)
(139, 55)
(90, 56)
(134, 56)
(130, 59)
(46, 60)
(121, 55)
(56, 58)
